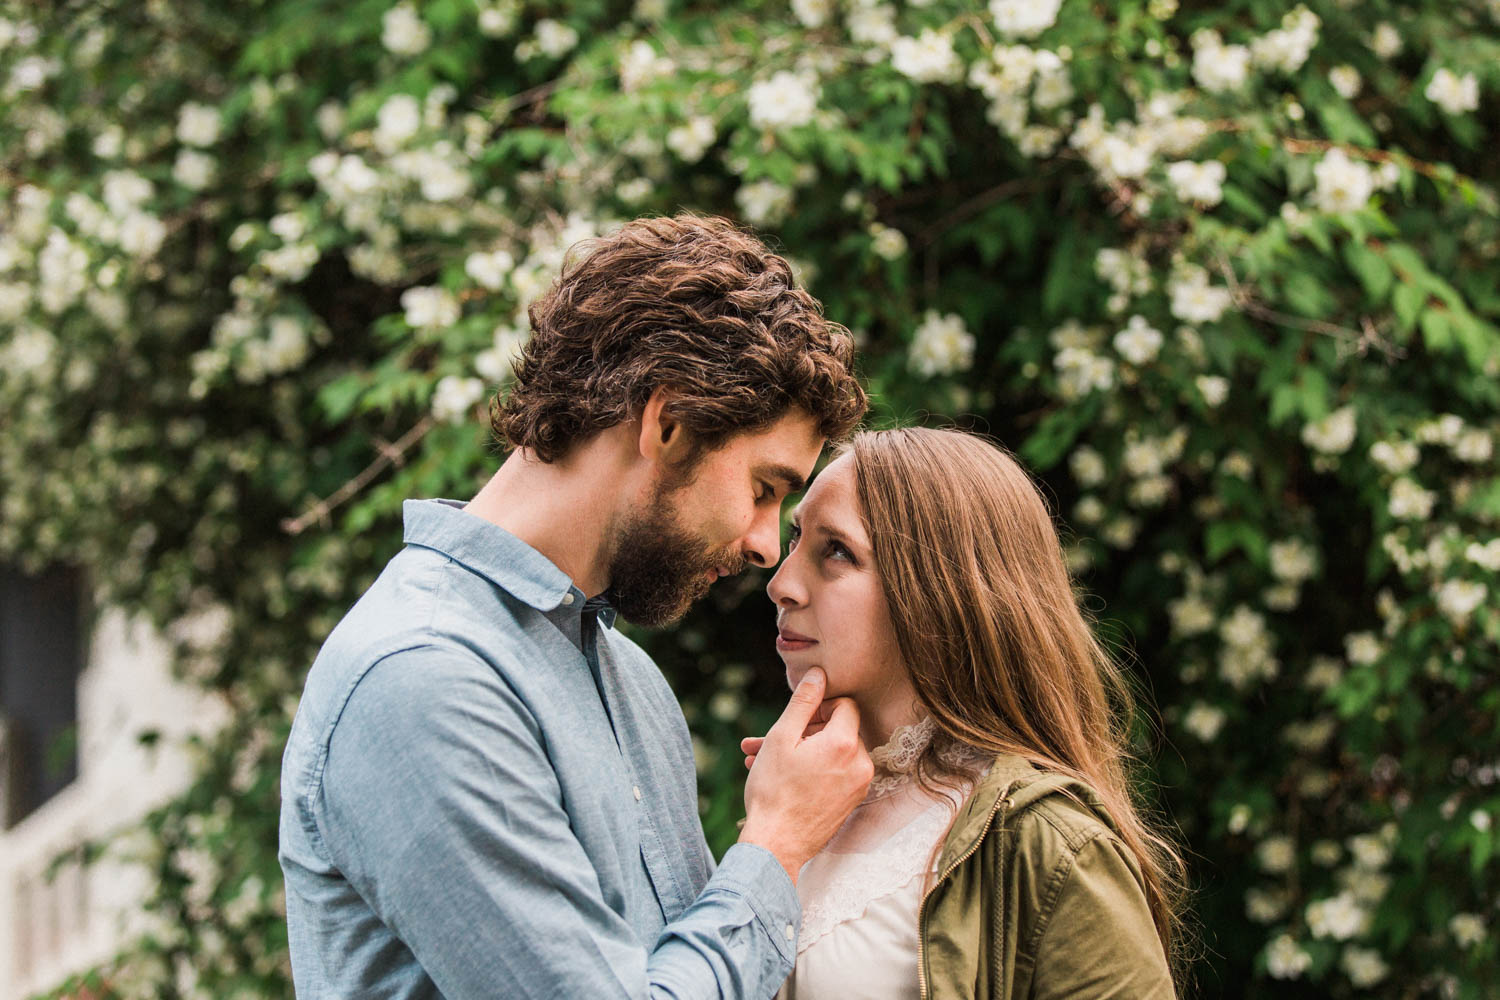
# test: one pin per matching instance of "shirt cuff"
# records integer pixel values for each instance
(753, 873)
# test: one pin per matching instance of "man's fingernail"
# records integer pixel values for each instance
(814, 675)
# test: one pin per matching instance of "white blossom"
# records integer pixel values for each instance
(812, 13)
(1474, 446)
(495, 364)
(887, 242)
(942, 345)
(1346, 80)
(1362, 648)
(1454, 94)
(430, 307)
(1467, 929)
(1204, 721)
(1276, 854)
(1457, 599)
(1340, 917)
(1024, 18)
(1285, 959)
(872, 24)
(1081, 371)
(691, 139)
(1194, 300)
(641, 63)
(194, 170)
(1332, 435)
(787, 99)
(1480, 820)
(1265, 905)
(398, 119)
(1191, 615)
(1054, 87)
(454, 398)
(1218, 67)
(1247, 654)
(928, 58)
(124, 191)
(1395, 456)
(554, 39)
(498, 20)
(764, 202)
(1292, 560)
(142, 234)
(15, 299)
(1343, 185)
(287, 344)
(1087, 466)
(198, 124)
(1197, 182)
(1140, 342)
(1363, 966)
(1409, 501)
(1385, 41)
(1486, 555)
(489, 269)
(1090, 510)
(1213, 388)
(403, 31)
(1287, 48)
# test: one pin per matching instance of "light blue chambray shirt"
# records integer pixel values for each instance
(486, 794)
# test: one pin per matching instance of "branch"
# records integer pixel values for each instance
(390, 454)
(974, 206)
(1362, 340)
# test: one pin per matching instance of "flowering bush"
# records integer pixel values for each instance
(1223, 275)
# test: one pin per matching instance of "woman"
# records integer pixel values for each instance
(998, 853)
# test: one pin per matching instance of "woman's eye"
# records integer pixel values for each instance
(838, 550)
(793, 534)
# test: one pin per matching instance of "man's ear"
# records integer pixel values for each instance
(663, 440)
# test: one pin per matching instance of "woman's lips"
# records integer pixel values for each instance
(788, 641)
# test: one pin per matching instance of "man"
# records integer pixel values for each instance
(489, 792)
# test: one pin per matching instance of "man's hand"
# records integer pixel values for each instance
(809, 773)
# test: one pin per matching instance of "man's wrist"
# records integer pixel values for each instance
(754, 833)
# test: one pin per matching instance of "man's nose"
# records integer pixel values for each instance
(763, 544)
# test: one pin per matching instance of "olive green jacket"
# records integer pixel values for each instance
(1036, 898)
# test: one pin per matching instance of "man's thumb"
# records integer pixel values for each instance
(804, 702)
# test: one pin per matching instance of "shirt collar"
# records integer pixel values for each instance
(498, 556)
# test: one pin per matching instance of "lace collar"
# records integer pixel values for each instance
(896, 760)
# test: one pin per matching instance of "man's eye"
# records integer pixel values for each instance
(769, 493)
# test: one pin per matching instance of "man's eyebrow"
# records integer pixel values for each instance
(788, 475)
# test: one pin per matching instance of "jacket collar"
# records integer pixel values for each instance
(1010, 785)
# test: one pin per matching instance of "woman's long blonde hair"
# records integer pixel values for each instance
(990, 628)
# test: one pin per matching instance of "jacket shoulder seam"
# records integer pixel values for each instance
(1067, 860)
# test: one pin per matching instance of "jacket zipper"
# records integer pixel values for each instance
(922, 906)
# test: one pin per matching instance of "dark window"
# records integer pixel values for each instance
(41, 654)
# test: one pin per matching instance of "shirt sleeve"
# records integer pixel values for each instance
(437, 802)
(1099, 940)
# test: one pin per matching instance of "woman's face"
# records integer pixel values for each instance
(830, 609)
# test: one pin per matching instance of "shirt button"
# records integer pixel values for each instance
(791, 932)
(568, 599)
(637, 791)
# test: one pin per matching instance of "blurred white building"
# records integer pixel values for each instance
(73, 770)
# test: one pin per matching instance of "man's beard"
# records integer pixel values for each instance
(659, 569)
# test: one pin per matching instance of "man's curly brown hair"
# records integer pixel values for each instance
(689, 303)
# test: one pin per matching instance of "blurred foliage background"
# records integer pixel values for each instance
(1224, 274)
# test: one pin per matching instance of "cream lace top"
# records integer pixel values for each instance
(861, 893)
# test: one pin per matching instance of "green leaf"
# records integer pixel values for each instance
(1408, 300)
(1223, 537)
(1371, 269)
